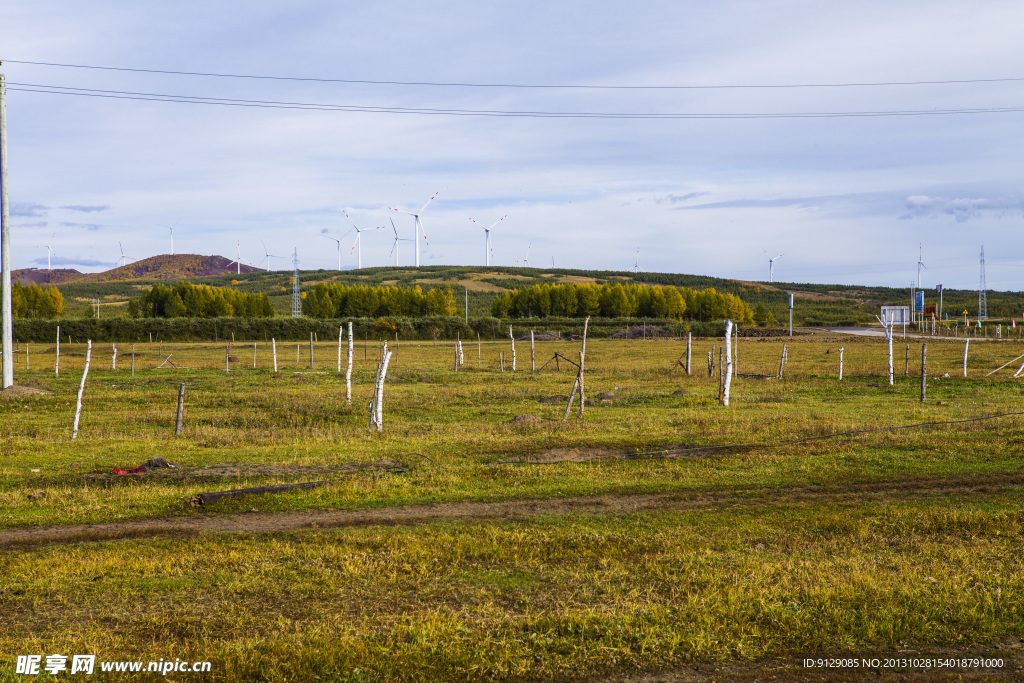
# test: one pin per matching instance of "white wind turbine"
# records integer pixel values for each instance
(771, 265)
(487, 237)
(238, 258)
(171, 228)
(417, 226)
(49, 250)
(920, 263)
(636, 262)
(124, 259)
(357, 246)
(339, 247)
(526, 261)
(394, 247)
(268, 255)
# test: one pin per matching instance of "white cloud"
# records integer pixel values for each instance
(962, 209)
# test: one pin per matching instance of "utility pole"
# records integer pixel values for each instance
(5, 247)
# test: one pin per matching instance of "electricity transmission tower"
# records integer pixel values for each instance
(296, 298)
(982, 302)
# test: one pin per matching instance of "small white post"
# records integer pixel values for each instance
(689, 342)
(378, 403)
(348, 372)
(81, 389)
(113, 357)
(56, 363)
(967, 343)
(533, 359)
(478, 349)
(513, 339)
(28, 359)
(840, 363)
(340, 332)
(133, 360)
(728, 362)
(254, 355)
(273, 346)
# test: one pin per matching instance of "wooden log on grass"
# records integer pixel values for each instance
(201, 499)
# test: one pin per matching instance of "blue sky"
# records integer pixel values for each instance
(845, 199)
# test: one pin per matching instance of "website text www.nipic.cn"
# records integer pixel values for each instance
(34, 665)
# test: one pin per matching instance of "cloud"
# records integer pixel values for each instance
(962, 209)
(40, 224)
(28, 210)
(678, 198)
(57, 261)
(802, 202)
(85, 208)
(87, 226)
(323, 231)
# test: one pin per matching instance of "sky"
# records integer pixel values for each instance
(670, 158)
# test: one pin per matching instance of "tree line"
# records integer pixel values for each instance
(185, 300)
(620, 300)
(35, 302)
(336, 300)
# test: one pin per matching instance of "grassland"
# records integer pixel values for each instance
(617, 543)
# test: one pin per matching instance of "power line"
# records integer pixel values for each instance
(313, 106)
(363, 81)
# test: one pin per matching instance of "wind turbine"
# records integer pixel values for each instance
(238, 258)
(417, 226)
(49, 250)
(487, 237)
(526, 261)
(357, 246)
(394, 247)
(339, 247)
(636, 263)
(268, 255)
(920, 263)
(171, 228)
(124, 259)
(771, 265)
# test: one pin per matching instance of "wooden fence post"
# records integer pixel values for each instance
(782, 362)
(727, 381)
(967, 342)
(533, 358)
(113, 357)
(254, 355)
(133, 360)
(478, 350)
(689, 340)
(840, 363)
(924, 375)
(180, 420)
(348, 371)
(28, 360)
(273, 346)
(227, 358)
(340, 330)
(56, 363)
(311, 350)
(906, 363)
(81, 389)
(513, 339)
(583, 354)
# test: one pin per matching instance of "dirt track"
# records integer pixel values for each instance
(262, 522)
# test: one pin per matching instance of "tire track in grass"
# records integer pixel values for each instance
(511, 510)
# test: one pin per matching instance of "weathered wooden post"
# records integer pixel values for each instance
(840, 363)
(533, 358)
(81, 389)
(340, 330)
(113, 357)
(310, 350)
(180, 420)
(478, 350)
(583, 354)
(727, 381)
(28, 360)
(273, 347)
(254, 355)
(348, 371)
(782, 362)
(967, 342)
(924, 375)
(501, 360)
(227, 358)
(133, 360)
(906, 363)
(689, 341)
(735, 350)
(56, 363)
(513, 340)
(379, 388)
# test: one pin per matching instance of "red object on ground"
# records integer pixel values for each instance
(120, 472)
